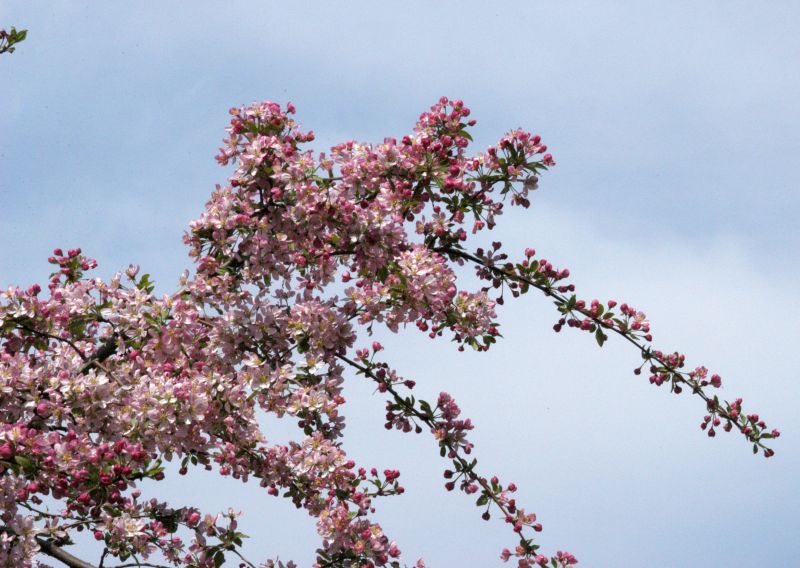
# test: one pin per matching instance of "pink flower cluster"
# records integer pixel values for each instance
(296, 258)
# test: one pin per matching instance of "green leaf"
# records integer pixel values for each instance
(382, 273)
(146, 284)
(24, 462)
(219, 559)
(600, 337)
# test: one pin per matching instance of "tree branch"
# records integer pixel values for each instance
(647, 354)
(105, 351)
(49, 548)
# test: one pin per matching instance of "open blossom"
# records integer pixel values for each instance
(341, 531)
(429, 282)
(126, 531)
(475, 313)
(18, 542)
(320, 328)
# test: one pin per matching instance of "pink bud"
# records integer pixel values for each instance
(6, 451)
(193, 518)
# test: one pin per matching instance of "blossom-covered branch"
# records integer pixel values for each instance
(296, 259)
(595, 318)
(405, 413)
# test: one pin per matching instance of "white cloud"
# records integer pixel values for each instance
(675, 127)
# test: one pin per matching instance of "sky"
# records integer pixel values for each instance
(676, 129)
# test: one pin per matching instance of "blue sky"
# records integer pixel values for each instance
(676, 129)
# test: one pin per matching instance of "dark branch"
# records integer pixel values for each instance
(105, 351)
(49, 548)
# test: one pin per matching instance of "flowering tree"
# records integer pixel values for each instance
(297, 259)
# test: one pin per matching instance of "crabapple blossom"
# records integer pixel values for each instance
(296, 260)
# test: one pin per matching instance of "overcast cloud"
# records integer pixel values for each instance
(675, 126)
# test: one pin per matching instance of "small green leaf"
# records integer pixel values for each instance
(146, 284)
(600, 337)
(24, 462)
